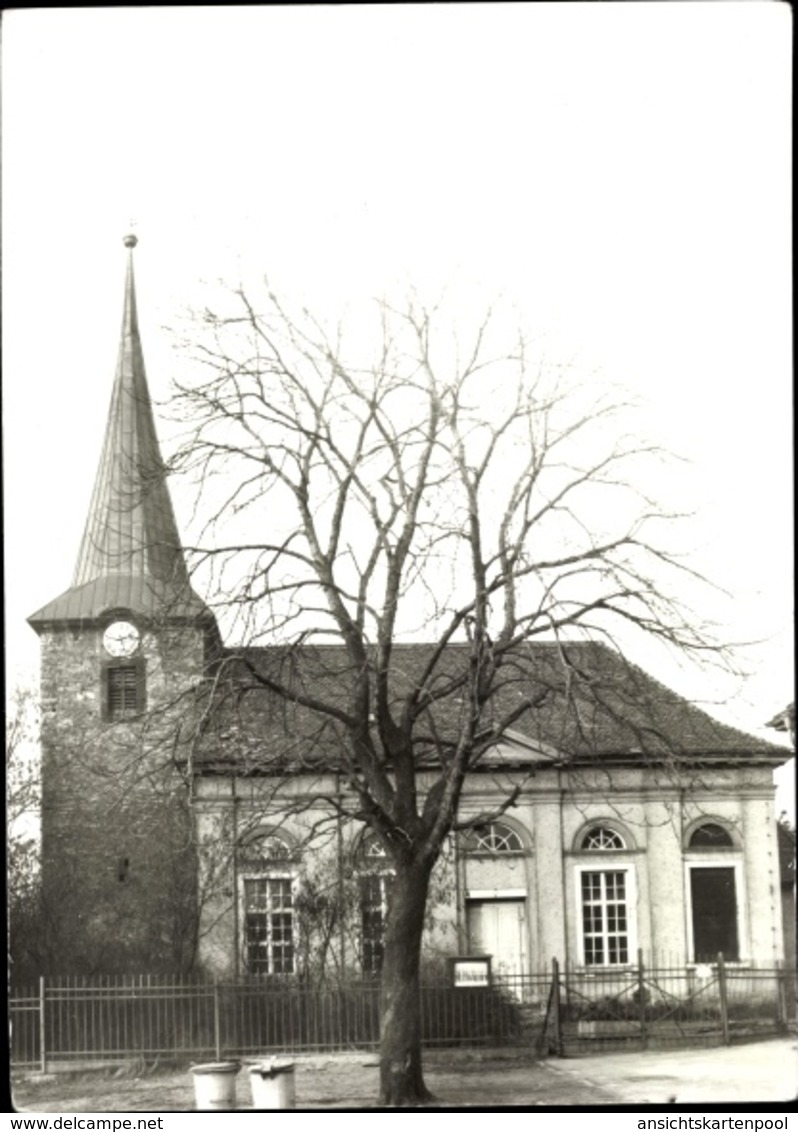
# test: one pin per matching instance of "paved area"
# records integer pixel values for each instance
(755, 1073)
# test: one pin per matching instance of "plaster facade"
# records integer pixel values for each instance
(653, 815)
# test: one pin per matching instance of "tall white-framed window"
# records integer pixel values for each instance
(605, 910)
(267, 899)
(374, 890)
(269, 925)
(374, 880)
(606, 899)
(714, 886)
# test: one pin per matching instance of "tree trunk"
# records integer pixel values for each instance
(401, 1079)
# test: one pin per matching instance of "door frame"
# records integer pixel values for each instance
(503, 896)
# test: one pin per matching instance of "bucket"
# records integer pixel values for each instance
(215, 1085)
(273, 1084)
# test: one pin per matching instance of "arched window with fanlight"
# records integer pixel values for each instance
(713, 863)
(605, 897)
(602, 837)
(493, 838)
(374, 881)
(266, 866)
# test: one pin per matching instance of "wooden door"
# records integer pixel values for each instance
(498, 928)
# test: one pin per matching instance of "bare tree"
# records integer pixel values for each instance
(415, 484)
(22, 826)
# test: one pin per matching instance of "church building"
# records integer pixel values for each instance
(189, 823)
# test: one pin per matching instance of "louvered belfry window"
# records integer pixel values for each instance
(123, 690)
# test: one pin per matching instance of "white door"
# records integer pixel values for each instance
(498, 928)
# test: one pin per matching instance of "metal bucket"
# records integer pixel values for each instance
(273, 1085)
(215, 1085)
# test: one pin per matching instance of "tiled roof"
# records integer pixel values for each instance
(131, 554)
(589, 702)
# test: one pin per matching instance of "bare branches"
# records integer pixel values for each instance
(442, 485)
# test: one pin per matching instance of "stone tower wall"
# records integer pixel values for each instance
(118, 862)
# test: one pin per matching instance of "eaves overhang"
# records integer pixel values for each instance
(255, 768)
(102, 598)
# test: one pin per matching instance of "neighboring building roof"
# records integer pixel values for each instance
(130, 555)
(589, 702)
(784, 721)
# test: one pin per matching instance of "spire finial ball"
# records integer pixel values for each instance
(131, 241)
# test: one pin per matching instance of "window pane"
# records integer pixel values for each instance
(618, 950)
(615, 886)
(591, 886)
(593, 951)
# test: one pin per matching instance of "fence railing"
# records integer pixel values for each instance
(68, 1021)
(110, 1019)
(646, 1005)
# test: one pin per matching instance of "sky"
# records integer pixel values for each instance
(620, 172)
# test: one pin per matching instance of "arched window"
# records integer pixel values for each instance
(372, 850)
(264, 847)
(267, 882)
(494, 838)
(710, 835)
(602, 837)
(374, 881)
(713, 869)
(606, 901)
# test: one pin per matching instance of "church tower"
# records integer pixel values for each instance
(122, 651)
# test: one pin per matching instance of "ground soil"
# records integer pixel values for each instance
(727, 1077)
(349, 1082)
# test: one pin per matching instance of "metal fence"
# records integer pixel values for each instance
(75, 1020)
(66, 1022)
(644, 1006)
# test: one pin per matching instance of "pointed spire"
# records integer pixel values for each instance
(130, 555)
(131, 527)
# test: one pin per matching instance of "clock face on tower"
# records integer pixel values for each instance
(121, 638)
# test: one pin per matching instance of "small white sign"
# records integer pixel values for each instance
(472, 972)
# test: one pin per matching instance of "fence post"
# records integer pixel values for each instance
(641, 998)
(724, 999)
(217, 1035)
(42, 1016)
(556, 1006)
(781, 995)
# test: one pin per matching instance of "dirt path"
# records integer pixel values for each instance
(762, 1072)
(321, 1083)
